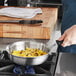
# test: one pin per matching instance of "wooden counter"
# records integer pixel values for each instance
(38, 31)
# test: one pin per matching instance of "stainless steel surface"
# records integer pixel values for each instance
(9, 21)
(6, 68)
(45, 3)
(21, 45)
(23, 2)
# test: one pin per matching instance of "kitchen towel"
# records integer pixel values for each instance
(20, 12)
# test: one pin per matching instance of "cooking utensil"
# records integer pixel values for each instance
(21, 45)
(22, 21)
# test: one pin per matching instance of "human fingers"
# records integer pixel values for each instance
(62, 37)
(73, 41)
(66, 42)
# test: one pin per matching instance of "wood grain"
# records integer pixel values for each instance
(36, 31)
(1, 30)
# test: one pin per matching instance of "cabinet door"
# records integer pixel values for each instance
(1, 2)
(12, 2)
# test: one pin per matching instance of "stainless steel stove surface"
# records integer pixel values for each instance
(45, 3)
(7, 67)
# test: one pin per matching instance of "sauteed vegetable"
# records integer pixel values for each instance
(28, 52)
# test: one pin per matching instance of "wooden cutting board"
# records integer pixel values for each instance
(38, 31)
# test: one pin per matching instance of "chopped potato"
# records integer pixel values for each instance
(29, 52)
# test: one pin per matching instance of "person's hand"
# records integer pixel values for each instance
(69, 37)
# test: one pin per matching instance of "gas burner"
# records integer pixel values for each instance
(24, 69)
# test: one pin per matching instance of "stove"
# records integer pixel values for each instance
(8, 68)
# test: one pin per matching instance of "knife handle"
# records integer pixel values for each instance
(30, 21)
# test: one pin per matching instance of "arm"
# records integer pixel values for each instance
(68, 28)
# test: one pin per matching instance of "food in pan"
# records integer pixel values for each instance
(29, 52)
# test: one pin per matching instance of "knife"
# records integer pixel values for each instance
(22, 21)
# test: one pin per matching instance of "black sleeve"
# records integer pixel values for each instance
(69, 14)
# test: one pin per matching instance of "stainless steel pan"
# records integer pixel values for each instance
(21, 45)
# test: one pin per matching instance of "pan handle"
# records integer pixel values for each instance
(59, 42)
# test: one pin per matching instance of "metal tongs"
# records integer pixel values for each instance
(22, 21)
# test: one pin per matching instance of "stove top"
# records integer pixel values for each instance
(7, 66)
(25, 75)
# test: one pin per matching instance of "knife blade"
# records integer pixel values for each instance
(22, 21)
